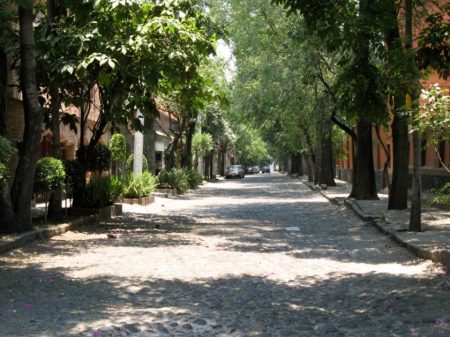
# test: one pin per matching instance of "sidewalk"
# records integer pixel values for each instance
(432, 243)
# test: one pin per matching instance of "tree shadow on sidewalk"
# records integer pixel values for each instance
(37, 301)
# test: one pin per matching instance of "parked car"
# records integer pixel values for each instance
(256, 169)
(266, 169)
(234, 171)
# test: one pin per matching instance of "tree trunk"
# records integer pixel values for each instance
(324, 150)
(293, 169)
(78, 191)
(398, 192)
(206, 166)
(6, 210)
(22, 189)
(309, 167)
(211, 166)
(364, 187)
(326, 175)
(222, 163)
(415, 219)
(187, 153)
(55, 203)
(149, 144)
(3, 87)
(170, 158)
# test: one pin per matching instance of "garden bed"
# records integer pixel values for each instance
(139, 201)
(165, 191)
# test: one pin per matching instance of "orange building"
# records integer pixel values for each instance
(433, 173)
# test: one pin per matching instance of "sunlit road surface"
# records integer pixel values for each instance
(259, 256)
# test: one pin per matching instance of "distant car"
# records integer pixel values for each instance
(256, 169)
(266, 169)
(234, 171)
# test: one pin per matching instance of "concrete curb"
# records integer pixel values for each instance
(438, 255)
(20, 240)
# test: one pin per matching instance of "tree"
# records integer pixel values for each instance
(348, 28)
(433, 119)
(15, 215)
(202, 143)
(116, 71)
(54, 10)
(283, 84)
(416, 199)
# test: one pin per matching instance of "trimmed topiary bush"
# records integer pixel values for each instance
(118, 147)
(50, 175)
(139, 185)
(129, 164)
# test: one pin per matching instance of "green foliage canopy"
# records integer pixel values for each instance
(202, 143)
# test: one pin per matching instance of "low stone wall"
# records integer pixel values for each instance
(19, 240)
(139, 201)
(104, 213)
(165, 192)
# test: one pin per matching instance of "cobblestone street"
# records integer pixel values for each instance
(259, 256)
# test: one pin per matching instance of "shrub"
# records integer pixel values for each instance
(6, 149)
(139, 185)
(98, 158)
(163, 179)
(442, 195)
(102, 191)
(4, 173)
(194, 178)
(74, 173)
(50, 174)
(6, 152)
(175, 178)
(129, 164)
(118, 147)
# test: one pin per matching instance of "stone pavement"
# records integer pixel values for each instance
(261, 256)
(432, 243)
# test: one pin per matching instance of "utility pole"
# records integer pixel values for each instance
(138, 146)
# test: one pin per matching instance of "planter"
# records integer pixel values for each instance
(139, 201)
(104, 213)
(165, 192)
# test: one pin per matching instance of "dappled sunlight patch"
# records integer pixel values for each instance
(190, 263)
